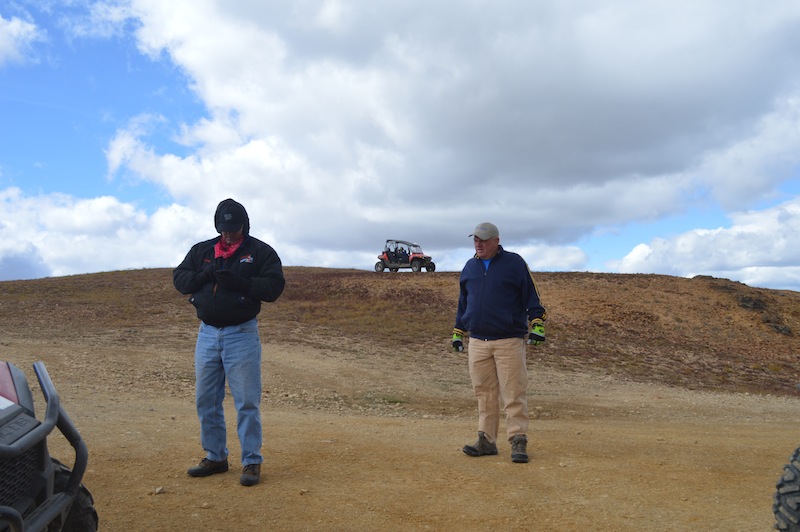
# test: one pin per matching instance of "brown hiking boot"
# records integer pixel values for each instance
(519, 454)
(251, 475)
(482, 447)
(208, 467)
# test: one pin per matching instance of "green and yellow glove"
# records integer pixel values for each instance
(536, 334)
(458, 341)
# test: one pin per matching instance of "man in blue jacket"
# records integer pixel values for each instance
(498, 307)
(228, 277)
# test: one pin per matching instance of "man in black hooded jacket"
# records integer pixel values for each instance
(227, 278)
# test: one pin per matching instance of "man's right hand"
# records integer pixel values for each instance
(206, 274)
(458, 342)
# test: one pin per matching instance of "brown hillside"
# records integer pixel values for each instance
(700, 333)
(366, 408)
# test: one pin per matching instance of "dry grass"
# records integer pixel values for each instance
(700, 333)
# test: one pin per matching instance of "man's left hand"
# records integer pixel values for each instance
(536, 336)
(230, 281)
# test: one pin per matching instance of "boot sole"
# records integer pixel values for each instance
(206, 472)
(249, 480)
(469, 450)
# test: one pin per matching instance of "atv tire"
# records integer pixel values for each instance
(380, 266)
(431, 267)
(416, 266)
(786, 503)
(82, 515)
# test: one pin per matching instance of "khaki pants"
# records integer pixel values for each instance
(498, 371)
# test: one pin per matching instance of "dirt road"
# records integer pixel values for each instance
(360, 440)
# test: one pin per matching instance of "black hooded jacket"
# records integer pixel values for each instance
(253, 260)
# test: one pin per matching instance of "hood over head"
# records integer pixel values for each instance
(230, 217)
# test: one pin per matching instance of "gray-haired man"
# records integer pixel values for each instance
(498, 307)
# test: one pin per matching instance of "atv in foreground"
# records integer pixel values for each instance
(37, 492)
(786, 503)
(401, 254)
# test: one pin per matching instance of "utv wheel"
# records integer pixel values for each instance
(431, 267)
(379, 267)
(786, 503)
(82, 516)
(394, 270)
(416, 266)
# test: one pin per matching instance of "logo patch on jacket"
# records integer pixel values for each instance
(246, 258)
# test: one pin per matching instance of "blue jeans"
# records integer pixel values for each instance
(233, 353)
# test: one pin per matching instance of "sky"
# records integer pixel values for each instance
(606, 136)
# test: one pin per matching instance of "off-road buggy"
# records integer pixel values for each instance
(786, 503)
(401, 254)
(37, 492)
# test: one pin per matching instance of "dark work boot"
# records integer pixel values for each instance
(208, 467)
(482, 447)
(251, 475)
(519, 454)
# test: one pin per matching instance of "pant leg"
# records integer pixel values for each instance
(242, 360)
(483, 374)
(210, 392)
(512, 372)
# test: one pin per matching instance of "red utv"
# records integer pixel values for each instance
(401, 254)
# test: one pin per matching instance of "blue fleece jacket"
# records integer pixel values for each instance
(497, 301)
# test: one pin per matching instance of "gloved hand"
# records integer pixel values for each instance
(458, 342)
(536, 336)
(206, 274)
(230, 281)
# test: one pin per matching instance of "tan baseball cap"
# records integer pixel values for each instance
(485, 231)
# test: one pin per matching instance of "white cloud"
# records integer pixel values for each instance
(17, 37)
(67, 235)
(593, 115)
(750, 169)
(339, 124)
(553, 258)
(760, 247)
(102, 20)
(510, 95)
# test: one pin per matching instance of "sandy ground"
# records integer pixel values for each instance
(357, 438)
